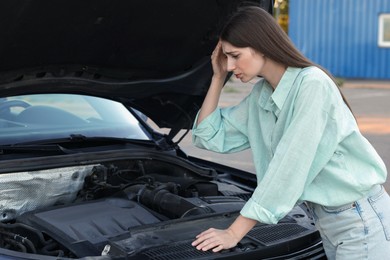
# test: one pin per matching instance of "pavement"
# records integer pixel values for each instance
(370, 103)
(366, 84)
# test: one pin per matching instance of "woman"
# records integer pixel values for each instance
(305, 141)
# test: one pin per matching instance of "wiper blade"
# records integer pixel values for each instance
(79, 140)
(83, 138)
(45, 148)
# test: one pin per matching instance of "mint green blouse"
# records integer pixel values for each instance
(305, 142)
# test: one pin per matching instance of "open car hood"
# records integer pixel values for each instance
(152, 55)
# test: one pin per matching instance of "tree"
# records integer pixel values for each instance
(281, 13)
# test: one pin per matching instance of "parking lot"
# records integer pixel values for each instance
(369, 101)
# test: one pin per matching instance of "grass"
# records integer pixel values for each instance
(340, 82)
(230, 89)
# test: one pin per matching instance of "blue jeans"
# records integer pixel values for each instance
(358, 230)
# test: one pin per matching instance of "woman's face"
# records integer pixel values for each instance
(245, 63)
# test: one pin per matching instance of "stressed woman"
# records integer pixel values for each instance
(304, 138)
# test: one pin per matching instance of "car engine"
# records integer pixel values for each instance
(76, 211)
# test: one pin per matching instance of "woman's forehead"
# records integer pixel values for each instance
(228, 48)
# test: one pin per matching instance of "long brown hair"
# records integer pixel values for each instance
(252, 26)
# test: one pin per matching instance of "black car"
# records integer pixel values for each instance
(83, 175)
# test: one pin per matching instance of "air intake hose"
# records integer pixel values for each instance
(162, 200)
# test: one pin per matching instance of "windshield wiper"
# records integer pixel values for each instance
(43, 148)
(74, 143)
(79, 138)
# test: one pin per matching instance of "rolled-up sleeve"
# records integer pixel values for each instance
(224, 130)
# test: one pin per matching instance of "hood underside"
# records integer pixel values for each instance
(152, 55)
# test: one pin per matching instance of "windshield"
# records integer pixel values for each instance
(31, 118)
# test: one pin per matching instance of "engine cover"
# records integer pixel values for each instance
(86, 227)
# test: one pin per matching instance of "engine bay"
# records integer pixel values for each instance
(77, 211)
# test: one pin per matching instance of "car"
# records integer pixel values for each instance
(86, 171)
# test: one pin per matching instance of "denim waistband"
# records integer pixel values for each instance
(373, 191)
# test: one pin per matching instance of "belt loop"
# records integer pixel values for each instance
(374, 190)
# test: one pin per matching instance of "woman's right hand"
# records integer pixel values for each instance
(219, 62)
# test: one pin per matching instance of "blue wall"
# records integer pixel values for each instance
(341, 35)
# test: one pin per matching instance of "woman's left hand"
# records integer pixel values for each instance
(219, 62)
(215, 239)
